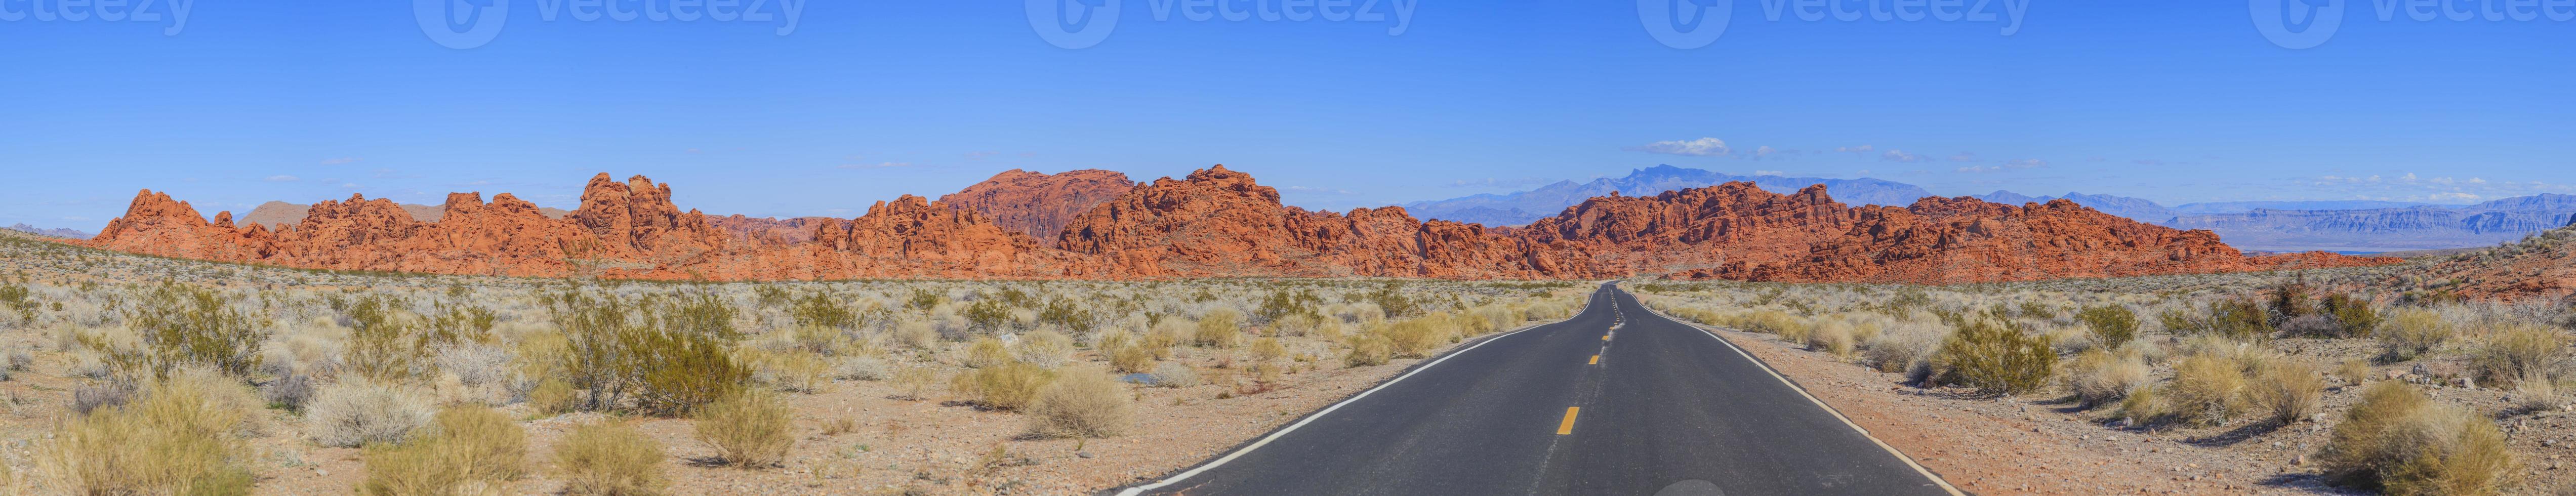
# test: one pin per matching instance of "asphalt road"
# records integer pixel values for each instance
(1666, 410)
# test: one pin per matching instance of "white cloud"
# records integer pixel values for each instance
(1895, 155)
(281, 178)
(1964, 157)
(1703, 147)
(1768, 173)
(1980, 169)
(1863, 149)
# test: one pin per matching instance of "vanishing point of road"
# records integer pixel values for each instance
(1616, 400)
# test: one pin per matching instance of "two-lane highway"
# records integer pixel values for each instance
(1655, 407)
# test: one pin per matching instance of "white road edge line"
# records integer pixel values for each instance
(1793, 386)
(1193, 472)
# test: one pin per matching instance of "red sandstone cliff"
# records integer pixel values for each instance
(1215, 222)
(1039, 205)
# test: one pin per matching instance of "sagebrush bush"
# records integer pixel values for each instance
(2398, 441)
(749, 429)
(553, 396)
(1008, 386)
(465, 450)
(1998, 358)
(2355, 316)
(2145, 405)
(1044, 348)
(1082, 404)
(1176, 375)
(1416, 337)
(358, 411)
(180, 436)
(610, 459)
(1268, 350)
(1831, 336)
(861, 368)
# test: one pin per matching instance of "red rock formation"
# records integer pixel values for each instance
(1214, 223)
(1039, 205)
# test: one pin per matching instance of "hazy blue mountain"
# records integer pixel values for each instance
(2137, 209)
(1511, 209)
(2249, 206)
(55, 232)
(2417, 227)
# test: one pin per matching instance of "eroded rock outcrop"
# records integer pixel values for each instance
(1214, 222)
(1039, 205)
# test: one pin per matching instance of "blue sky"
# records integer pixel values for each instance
(863, 101)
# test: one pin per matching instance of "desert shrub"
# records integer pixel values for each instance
(452, 324)
(2398, 441)
(1220, 328)
(861, 369)
(1831, 336)
(2521, 351)
(1176, 375)
(913, 381)
(1789, 327)
(2146, 405)
(1082, 404)
(987, 352)
(1045, 348)
(466, 450)
(89, 397)
(2355, 316)
(2239, 319)
(181, 325)
(2353, 371)
(1268, 350)
(917, 335)
(823, 311)
(2291, 300)
(1417, 336)
(1368, 351)
(2318, 326)
(182, 436)
(553, 396)
(2284, 390)
(1904, 347)
(1131, 358)
(2111, 325)
(669, 355)
(610, 459)
(291, 391)
(2206, 389)
(794, 369)
(380, 344)
(1998, 358)
(686, 370)
(359, 411)
(748, 429)
(1008, 386)
(2410, 332)
(2099, 376)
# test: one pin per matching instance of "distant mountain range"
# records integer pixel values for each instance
(1523, 207)
(55, 232)
(2355, 226)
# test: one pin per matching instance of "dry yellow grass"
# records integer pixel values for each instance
(610, 459)
(749, 429)
(1083, 403)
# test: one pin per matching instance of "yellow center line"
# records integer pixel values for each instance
(1596, 359)
(1568, 426)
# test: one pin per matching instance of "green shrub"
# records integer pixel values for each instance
(2398, 441)
(182, 325)
(748, 429)
(2356, 316)
(610, 459)
(2111, 325)
(1998, 358)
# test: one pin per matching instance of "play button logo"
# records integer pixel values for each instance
(1073, 24)
(2297, 24)
(1686, 24)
